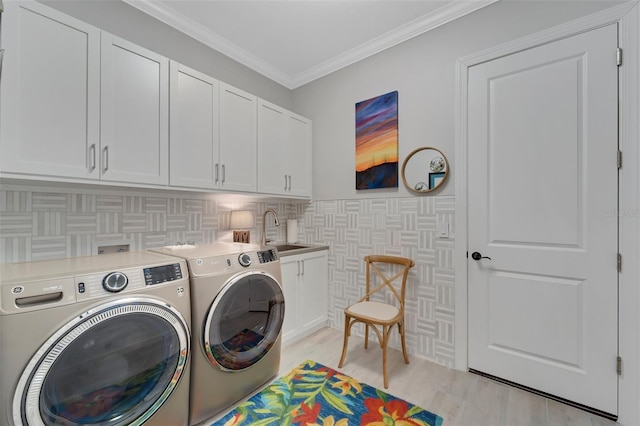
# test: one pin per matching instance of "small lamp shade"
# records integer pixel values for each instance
(240, 221)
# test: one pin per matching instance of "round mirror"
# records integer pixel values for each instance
(425, 170)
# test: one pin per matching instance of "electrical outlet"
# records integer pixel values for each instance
(118, 248)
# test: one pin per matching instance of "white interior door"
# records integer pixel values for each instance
(542, 175)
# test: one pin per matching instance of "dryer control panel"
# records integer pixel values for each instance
(266, 256)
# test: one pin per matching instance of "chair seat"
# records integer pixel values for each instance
(375, 311)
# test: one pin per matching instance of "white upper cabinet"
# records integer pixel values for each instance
(50, 87)
(300, 137)
(272, 149)
(134, 113)
(238, 142)
(194, 140)
(284, 151)
(78, 104)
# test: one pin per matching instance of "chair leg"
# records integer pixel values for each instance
(346, 340)
(404, 346)
(385, 339)
(366, 336)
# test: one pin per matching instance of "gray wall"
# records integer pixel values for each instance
(127, 22)
(422, 70)
(44, 223)
(394, 221)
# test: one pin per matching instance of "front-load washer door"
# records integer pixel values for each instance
(244, 321)
(115, 364)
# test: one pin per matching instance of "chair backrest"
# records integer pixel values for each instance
(374, 262)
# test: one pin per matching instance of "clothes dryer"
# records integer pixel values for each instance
(95, 340)
(237, 312)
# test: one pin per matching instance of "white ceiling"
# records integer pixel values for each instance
(294, 42)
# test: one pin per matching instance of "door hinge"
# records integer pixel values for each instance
(619, 57)
(619, 262)
(619, 159)
(619, 365)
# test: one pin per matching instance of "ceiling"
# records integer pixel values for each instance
(294, 42)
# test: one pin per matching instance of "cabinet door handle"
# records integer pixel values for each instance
(1, 58)
(224, 174)
(285, 182)
(105, 159)
(92, 157)
(217, 167)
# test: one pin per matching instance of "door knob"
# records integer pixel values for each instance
(477, 256)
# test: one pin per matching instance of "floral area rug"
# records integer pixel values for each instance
(312, 394)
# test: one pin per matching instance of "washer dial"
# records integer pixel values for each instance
(244, 259)
(115, 282)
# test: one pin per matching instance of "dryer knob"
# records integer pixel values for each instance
(244, 259)
(115, 282)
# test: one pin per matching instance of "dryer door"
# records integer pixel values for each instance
(244, 321)
(112, 365)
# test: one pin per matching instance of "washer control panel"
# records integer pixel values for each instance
(100, 284)
(162, 274)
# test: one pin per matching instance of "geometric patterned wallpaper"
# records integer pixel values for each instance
(56, 223)
(396, 226)
(50, 225)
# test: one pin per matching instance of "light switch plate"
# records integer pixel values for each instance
(443, 230)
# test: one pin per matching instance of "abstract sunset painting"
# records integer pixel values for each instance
(377, 142)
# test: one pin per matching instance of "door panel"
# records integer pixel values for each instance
(516, 324)
(542, 171)
(520, 187)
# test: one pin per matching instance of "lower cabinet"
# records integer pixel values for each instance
(306, 292)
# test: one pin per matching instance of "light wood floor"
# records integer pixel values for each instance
(460, 398)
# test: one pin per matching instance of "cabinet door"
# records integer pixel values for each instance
(194, 134)
(290, 274)
(299, 155)
(50, 91)
(238, 143)
(273, 149)
(134, 113)
(313, 290)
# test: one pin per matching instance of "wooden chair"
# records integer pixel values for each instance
(376, 314)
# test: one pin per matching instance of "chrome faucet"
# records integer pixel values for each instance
(263, 240)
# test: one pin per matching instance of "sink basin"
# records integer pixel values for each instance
(287, 247)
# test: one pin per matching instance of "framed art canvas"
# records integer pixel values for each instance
(377, 142)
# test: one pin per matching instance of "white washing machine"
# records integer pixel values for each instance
(237, 312)
(95, 340)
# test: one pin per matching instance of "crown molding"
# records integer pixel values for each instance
(441, 16)
(447, 13)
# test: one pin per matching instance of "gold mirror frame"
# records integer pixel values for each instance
(412, 188)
